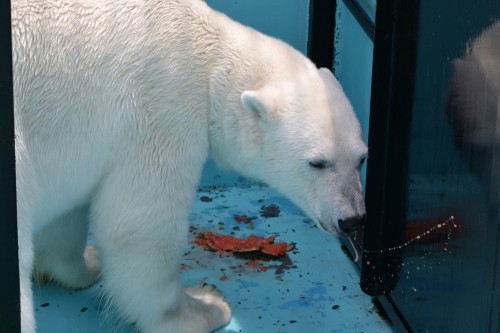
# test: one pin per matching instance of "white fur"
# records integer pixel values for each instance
(118, 105)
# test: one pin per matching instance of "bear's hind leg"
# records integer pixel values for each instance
(61, 253)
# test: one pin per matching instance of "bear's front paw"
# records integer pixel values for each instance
(217, 311)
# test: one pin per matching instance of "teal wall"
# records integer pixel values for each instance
(287, 20)
(353, 62)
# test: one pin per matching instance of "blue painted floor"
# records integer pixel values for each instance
(314, 290)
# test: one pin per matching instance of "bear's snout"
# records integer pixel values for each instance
(352, 224)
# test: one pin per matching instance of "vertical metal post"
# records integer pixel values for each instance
(321, 32)
(9, 277)
(394, 63)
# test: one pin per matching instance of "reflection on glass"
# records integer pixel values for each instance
(474, 105)
(454, 171)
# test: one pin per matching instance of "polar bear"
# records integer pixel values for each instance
(118, 104)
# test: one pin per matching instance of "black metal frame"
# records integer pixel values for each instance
(10, 310)
(321, 32)
(394, 64)
(320, 46)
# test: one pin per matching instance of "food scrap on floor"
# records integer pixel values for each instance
(227, 243)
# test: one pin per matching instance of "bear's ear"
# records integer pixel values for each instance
(328, 77)
(258, 102)
(325, 72)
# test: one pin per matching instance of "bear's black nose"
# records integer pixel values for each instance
(352, 224)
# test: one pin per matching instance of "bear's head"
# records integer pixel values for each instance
(301, 136)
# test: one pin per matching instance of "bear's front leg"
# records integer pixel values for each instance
(141, 235)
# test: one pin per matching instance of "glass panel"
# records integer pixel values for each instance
(449, 269)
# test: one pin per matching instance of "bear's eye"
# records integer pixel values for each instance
(319, 165)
